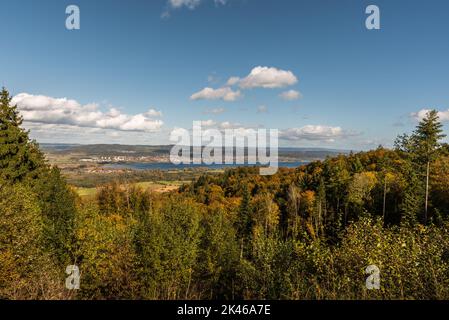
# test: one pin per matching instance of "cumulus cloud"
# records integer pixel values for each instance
(314, 133)
(208, 123)
(233, 81)
(265, 77)
(190, 4)
(421, 114)
(63, 111)
(290, 95)
(226, 94)
(259, 77)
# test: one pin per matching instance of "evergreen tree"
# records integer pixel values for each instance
(245, 220)
(19, 157)
(57, 203)
(413, 199)
(426, 142)
(420, 150)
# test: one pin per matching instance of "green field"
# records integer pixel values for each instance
(156, 186)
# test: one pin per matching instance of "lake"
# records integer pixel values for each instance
(171, 166)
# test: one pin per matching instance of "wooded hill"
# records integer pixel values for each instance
(163, 151)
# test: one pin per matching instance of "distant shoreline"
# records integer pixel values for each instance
(171, 166)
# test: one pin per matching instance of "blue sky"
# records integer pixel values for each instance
(130, 72)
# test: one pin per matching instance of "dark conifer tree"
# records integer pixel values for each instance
(20, 158)
(245, 220)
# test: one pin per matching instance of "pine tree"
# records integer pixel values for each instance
(413, 200)
(245, 221)
(19, 157)
(57, 203)
(426, 142)
(420, 150)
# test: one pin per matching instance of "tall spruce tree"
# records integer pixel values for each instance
(19, 157)
(420, 150)
(427, 145)
(245, 221)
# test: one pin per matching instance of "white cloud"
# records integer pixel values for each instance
(153, 113)
(266, 77)
(290, 95)
(229, 125)
(233, 81)
(191, 4)
(259, 77)
(208, 123)
(177, 132)
(226, 94)
(63, 111)
(443, 115)
(314, 133)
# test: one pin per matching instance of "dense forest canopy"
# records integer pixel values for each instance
(304, 233)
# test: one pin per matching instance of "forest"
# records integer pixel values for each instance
(303, 233)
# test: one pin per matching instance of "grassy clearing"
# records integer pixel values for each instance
(156, 186)
(86, 192)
